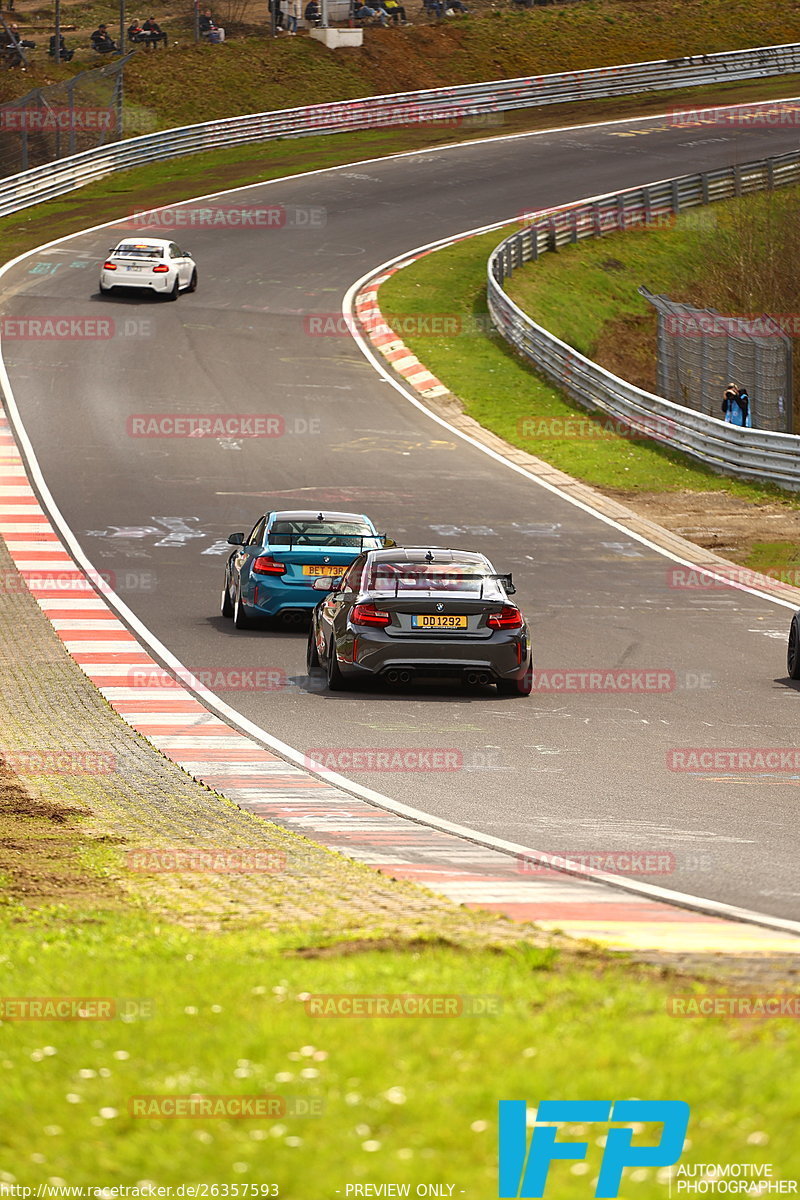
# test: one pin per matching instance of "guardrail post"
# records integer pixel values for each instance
(737, 181)
(552, 234)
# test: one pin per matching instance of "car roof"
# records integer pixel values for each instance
(418, 554)
(311, 514)
(144, 241)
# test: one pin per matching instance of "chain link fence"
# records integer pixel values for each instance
(700, 352)
(81, 113)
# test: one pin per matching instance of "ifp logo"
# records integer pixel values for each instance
(523, 1171)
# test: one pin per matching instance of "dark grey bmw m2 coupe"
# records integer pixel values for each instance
(404, 614)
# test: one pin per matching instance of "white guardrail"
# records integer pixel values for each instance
(371, 112)
(748, 453)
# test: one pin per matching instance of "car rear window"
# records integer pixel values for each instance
(432, 577)
(324, 533)
(140, 251)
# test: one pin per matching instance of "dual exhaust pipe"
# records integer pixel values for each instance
(294, 616)
(403, 675)
(478, 678)
(396, 675)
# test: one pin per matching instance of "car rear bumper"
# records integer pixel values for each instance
(270, 600)
(154, 283)
(503, 656)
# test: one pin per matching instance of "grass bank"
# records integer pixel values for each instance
(255, 73)
(407, 1100)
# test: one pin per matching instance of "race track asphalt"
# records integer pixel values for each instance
(565, 773)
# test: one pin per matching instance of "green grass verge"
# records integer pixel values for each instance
(405, 1100)
(500, 391)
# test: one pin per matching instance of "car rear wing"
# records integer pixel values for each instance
(348, 540)
(505, 580)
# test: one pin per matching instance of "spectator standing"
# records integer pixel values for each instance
(313, 12)
(736, 406)
(294, 11)
(102, 41)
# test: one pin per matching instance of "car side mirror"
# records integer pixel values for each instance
(327, 583)
(388, 543)
(236, 539)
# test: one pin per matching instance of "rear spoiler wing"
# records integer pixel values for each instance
(290, 540)
(505, 580)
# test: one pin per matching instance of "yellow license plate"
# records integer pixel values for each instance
(319, 569)
(438, 621)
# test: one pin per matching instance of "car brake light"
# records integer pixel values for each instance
(268, 566)
(160, 268)
(509, 617)
(368, 614)
(109, 266)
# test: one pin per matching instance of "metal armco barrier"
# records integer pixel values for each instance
(748, 453)
(442, 105)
